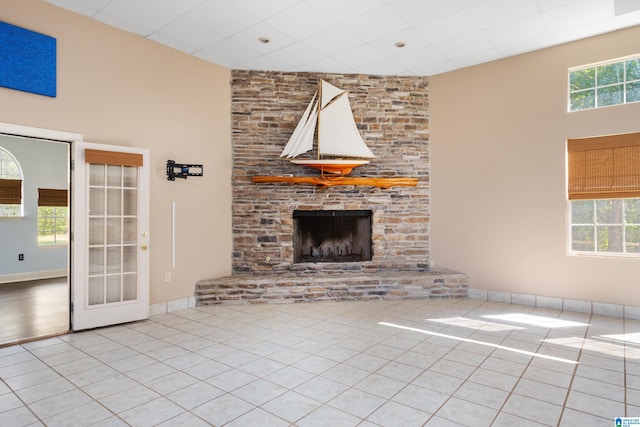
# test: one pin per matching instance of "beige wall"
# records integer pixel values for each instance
(118, 88)
(498, 134)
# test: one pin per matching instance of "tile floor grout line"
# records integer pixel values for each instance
(575, 369)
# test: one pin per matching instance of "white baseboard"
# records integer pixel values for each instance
(589, 307)
(174, 305)
(32, 275)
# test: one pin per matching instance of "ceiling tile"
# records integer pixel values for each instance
(268, 63)
(384, 67)
(626, 20)
(184, 32)
(87, 8)
(411, 38)
(359, 56)
(514, 31)
(375, 24)
(175, 7)
(250, 37)
(415, 12)
(301, 21)
(476, 58)
(298, 54)
(448, 27)
(552, 4)
(495, 12)
(339, 35)
(324, 65)
(341, 11)
(138, 14)
(464, 46)
(576, 14)
(228, 53)
(421, 57)
(222, 16)
(620, 7)
(332, 41)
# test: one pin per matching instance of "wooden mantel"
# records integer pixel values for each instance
(328, 181)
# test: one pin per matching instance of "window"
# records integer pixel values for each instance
(606, 226)
(53, 223)
(604, 84)
(604, 194)
(10, 185)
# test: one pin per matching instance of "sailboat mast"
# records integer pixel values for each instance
(318, 120)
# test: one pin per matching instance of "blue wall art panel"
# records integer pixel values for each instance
(27, 60)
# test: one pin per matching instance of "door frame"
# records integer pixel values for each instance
(55, 136)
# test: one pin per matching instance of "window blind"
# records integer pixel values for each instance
(52, 197)
(101, 157)
(10, 191)
(604, 167)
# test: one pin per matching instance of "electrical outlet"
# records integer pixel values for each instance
(20, 257)
(167, 277)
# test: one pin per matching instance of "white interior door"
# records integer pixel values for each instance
(110, 276)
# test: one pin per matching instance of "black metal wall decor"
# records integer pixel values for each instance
(182, 170)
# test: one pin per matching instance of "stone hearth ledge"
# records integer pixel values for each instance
(291, 287)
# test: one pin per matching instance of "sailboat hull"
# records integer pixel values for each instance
(333, 166)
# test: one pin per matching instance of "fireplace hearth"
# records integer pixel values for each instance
(332, 236)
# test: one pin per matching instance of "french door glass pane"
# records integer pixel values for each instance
(114, 201)
(114, 176)
(113, 289)
(130, 287)
(129, 257)
(96, 261)
(96, 231)
(96, 175)
(130, 177)
(130, 202)
(113, 234)
(96, 290)
(96, 201)
(129, 230)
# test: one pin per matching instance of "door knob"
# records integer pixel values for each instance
(144, 247)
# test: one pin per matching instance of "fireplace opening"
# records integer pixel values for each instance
(332, 236)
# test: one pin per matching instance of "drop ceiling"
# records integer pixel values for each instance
(385, 37)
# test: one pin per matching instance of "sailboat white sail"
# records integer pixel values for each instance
(329, 116)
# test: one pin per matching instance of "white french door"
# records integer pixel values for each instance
(110, 276)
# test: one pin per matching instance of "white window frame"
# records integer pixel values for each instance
(595, 224)
(624, 83)
(20, 208)
(55, 218)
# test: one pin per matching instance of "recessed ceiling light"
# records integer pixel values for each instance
(264, 40)
(400, 44)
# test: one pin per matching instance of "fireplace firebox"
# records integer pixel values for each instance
(332, 236)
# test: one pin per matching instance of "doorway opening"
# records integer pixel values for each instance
(35, 254)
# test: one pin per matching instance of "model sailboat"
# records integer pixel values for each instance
(340, 147)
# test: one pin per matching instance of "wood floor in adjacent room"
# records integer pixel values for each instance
(33, 309)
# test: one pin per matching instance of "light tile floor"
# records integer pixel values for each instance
(443, 362)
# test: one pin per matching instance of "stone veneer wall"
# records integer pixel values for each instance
(392, 114)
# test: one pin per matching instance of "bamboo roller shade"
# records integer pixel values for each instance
(52, 197)
(604, 167)
(101, 157)
(10, 191)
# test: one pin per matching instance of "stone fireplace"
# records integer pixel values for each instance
(273, 260)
